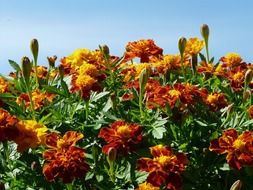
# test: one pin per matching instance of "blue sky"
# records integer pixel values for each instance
(63, 26)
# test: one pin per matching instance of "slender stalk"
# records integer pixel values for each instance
(87, 110)
(207, 51)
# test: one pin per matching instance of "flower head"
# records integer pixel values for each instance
(216, 101)
(147, 186)
(239, 148)
(64, 159)
(231, 59)
(164, 168)
(31, 134)
(8, 129)
(121, 136)
(144, 49)
(194, 46)
(39, 99)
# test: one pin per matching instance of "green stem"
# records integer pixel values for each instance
(182, 65)
(30, 98)
(140, 103)
(207, 51)
(36, 72)
(69, 186)
(86, 110)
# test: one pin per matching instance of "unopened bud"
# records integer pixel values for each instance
(35, 48)
(246, 95)
(248, 76)
(26, 67)
(106, 49)
(181, 45)
(112, 153)
(61, 71)
(143, 79)
(204, 31)
(33, 165)
(51, 61)
(237, 185)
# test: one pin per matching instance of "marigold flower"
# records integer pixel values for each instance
(121, 136)
(41, 72)
(216, 101)
(147, 186)
(232, 59)
(31, 134)
(39, 99)
(79, 57)
(64, 159)
(164, 168)
(144, 49)
(239, 149)
(8, 129)
(194, 46)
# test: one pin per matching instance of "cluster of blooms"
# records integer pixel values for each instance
(64, 159)
(164, 168)
(85, 67)
(26, 133)
(187, 94)
(231, 67)
(152, 58)
(239, 148)
(39, 99)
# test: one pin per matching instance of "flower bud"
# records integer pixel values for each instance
(181, 45)
(204, 31)
(35, 48)
(246, 95)
(248, 76)
(26, 67)
(237, 185)
(106, 49)
(112, 153)
(143, 79)
(51, 61)
(61, 71)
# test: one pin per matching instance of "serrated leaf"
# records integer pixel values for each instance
(158, 132)
(96, 96)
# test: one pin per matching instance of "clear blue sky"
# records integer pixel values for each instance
(64, 25)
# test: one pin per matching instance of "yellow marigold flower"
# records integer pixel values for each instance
(88, 69)
(147, 186)
(216, 101)
(82, 56)
(194, 46)
(85, 81)
(31, 134)
(232, 59)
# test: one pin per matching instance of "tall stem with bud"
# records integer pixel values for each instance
(181, 46)
(205, 34)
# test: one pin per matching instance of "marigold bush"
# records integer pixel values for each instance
(146, 120)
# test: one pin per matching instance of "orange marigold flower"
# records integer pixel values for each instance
(231, 59)
(38, 98)
(31, 134)
(144, 49)
(64, 159)
(239, 149)
(164, 168)
(147, 186)
(216, 101)
(8, 129)
(194, 46)
(121, 136)
(41, 72)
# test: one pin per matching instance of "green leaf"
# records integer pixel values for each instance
(54, 90)
(96, 96)
(14, 65)
(158, 132)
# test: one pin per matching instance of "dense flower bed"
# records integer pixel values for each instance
(143, 121)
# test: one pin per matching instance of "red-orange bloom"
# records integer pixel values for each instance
(64, 159)
(164, 168)
(216, 101)
(8, 129)
(250, 111)
(144, 49)
(121, 136)
(239, 149)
